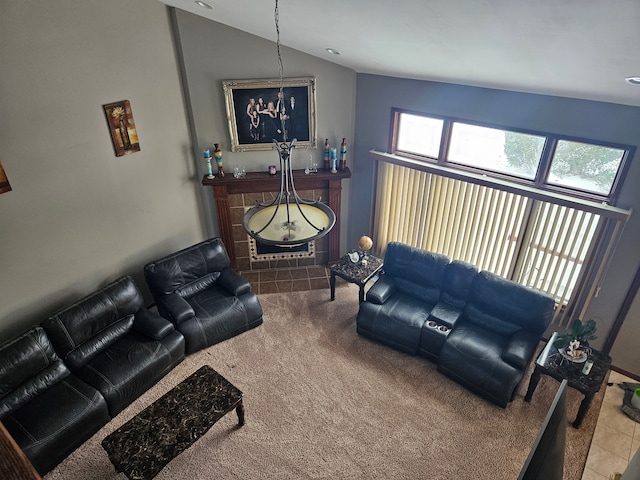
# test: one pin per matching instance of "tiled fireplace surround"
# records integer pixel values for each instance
(285, 272)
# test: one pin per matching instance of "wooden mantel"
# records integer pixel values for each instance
(255, 182)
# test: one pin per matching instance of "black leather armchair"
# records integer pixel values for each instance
(202, 296)
(47, 410)
(110, 341)
(496, 338)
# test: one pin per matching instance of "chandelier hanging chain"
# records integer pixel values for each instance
(276, 16)
(295, 219)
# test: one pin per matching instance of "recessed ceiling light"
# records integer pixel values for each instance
(332, 51)
(204, 5)
(633, 80)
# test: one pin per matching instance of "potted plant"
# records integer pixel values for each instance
(575, 343)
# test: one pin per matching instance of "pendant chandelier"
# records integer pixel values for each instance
(288, 220)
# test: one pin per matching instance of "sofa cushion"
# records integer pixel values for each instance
(456, 283)
(130, 366)
(416, 272)
(504, 307)
(28, 367)
(397, 322)
(472, 355)
(193, 264)
(94, 322)
(218, 317)
(57, 421)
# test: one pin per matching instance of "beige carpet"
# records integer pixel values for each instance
(324, 403)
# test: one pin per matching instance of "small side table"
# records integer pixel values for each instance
(552, 363)
(354, 273)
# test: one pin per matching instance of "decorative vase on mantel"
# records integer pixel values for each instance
(217, 154)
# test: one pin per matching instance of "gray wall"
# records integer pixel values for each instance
(213, 52)
(78, 216)
(376, 95)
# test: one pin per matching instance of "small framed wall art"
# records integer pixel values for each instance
(122, 127)
(258, 113)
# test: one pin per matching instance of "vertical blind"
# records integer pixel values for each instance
(557, 249)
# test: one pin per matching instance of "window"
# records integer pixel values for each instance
(497, 150)
(490, 196)
(420, 135)
(586, 167)
(575, 167)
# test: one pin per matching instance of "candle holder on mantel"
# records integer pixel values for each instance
(207, 158)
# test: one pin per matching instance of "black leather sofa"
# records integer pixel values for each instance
(47, 410)
(204, 298)
(62, 381)
(481, 329)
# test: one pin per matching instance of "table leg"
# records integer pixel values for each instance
(332, 284)
(533, 383)
(584, 408)
(240, 412)
(361, 294)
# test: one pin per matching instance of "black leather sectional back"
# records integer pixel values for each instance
(481, 329)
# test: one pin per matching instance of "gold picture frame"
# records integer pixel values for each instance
(252, 112)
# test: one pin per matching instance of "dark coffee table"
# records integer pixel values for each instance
(551, 362)
(149, 441)
(354, 272)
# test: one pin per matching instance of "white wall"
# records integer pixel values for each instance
(78, 216)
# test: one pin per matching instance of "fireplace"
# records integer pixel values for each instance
(234, 196)
(267, 249)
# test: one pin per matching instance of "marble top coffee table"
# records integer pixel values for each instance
(149, 441)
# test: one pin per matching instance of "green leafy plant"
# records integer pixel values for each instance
(581, 332)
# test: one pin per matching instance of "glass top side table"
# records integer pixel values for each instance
(354, 273)
(552, 363)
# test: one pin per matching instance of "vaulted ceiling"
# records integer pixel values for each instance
(571, 48)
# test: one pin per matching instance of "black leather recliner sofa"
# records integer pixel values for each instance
(481, 329)
(62, 381)
(204, 298)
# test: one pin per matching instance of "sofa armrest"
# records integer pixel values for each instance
(151, 324)
(176, 307)
(520, 349)
(233, 282)
(445, 314)
(380, 291)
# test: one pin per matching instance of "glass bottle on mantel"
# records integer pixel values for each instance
(327, 155)
(343, 155)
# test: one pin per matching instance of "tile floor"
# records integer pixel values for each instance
(284, 280)
(616, 438)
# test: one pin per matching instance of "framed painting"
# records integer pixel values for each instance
(122, 127)
(258, 113)
(4, 181)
